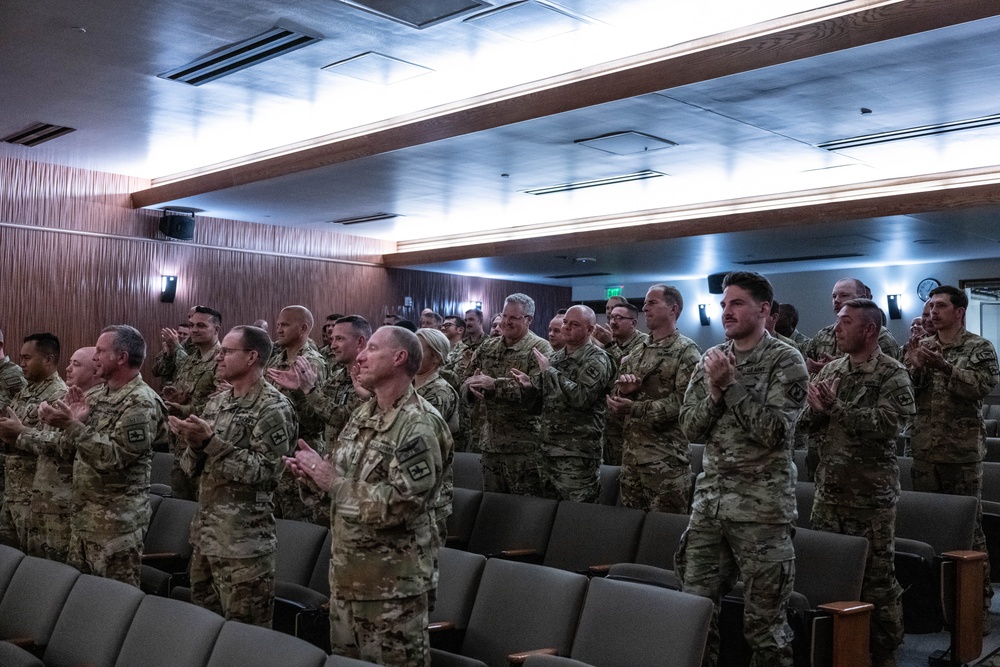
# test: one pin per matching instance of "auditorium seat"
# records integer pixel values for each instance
(460, 573)
(615, 630)
(468, 468)
(586, 535)
(239, 645)
(33, 600)
(609, 484)
(905, 468)
(168, 633)
(801, 468)
(697, 458)
(93, 623)
(299, 549)
(159, 477)
(512, 525)
(518, 607)
(10, 558)
(992, 450)
(464, 508)
(167, 546)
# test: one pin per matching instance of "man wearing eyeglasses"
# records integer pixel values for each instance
(238, 446)
(511, 456)
(192, 385)
(656, 464)
(626, 337)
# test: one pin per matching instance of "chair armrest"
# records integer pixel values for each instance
(441, 626)
(164, 555)
(518, 553)
(519, 658)
(27, 643)
(598, 570)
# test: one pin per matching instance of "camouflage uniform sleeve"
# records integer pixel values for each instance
(272, 437)
(11, 382)
(810, 420)
(39, 441)
(595, 377)
(895, 404)
(204, 387)
(768, 419)
(133, 434)
(974, 377)
(667, 408)
(166, 364)
(888, 343)
(510, 390)
(409, 485)
(698, 412)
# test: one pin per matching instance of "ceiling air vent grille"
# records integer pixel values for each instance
(580, 185)
(361, 219)
(235, 57)
(911, 133)
(810, 258)
(37, 134)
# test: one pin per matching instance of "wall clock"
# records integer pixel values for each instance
(925, 286)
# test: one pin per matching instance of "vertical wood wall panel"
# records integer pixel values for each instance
(74, 284)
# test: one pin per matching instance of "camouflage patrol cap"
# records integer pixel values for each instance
(437, 342)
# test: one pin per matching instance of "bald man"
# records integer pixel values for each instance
(291, 341)
(823, 349)
(573, 383)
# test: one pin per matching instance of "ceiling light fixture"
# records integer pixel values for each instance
(580, 185)
(241, 55)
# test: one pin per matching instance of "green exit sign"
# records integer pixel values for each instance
(614, 291)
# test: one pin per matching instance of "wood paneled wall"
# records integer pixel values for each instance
(75, 257)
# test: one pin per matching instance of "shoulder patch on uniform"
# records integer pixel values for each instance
(796, 392)
(136, 434)
(419, 470)
(279, 437)
(413, 448)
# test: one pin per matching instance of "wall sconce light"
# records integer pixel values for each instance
(168, 288)
(703, 314)
(894, 312)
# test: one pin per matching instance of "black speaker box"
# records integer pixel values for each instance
(715, 283)
(180, 227)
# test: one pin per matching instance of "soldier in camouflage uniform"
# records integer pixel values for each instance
(788, 320)
(822, 348)
(573, 383)
(238, 444)
(656, 461)
(625, 338)
(387, 473)
(291, 340)
(510, 452)
(112, 430)
(52, 491)
(326, 351)
(193, 383)
(468, 434)
(175, 346)
(857, 405)
(11, 381)
(39, 362)
(952, 371)
(332, 401)
(742, 402)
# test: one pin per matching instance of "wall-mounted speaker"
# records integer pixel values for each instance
(180, 227)
(715, 283)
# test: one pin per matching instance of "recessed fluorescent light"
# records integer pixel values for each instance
(580, 185)
(360, 219)
(626, 143)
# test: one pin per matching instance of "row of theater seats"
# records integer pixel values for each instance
(579, 537)
(52, 616)
(496, 608)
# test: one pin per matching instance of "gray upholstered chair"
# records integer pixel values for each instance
(166, 633)
(590, 535)
(508, 523)
(34, 599)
